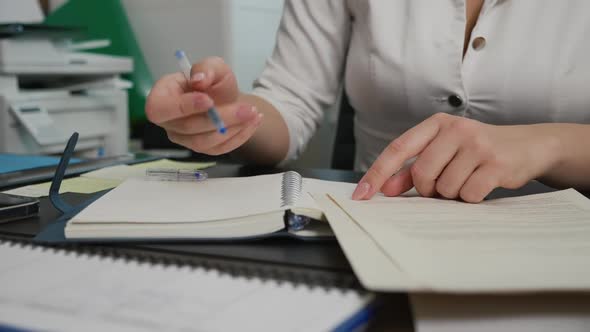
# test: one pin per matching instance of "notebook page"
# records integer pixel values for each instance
(310, 186)
(536, 242)
(139, 200)
(373, 266)
(87, 293)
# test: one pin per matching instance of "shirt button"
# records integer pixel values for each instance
(478, 43)
(455, 101)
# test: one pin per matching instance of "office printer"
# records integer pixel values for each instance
(49, 88)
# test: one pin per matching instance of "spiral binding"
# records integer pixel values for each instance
(332, 280)
(291, 188)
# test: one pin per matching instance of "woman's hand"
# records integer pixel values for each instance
(180, 107)
(460, 158)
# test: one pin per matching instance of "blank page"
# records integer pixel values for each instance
(41, 289)
(140, 200)
(528, 243)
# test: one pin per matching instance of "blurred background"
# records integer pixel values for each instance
(144, 31)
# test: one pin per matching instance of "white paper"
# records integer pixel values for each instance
(51, 291)
(529, 243)
(151, 201)
(374, 267)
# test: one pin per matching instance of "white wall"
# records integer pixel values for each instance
(240, 31)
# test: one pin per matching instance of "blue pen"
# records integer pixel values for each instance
(185, 66)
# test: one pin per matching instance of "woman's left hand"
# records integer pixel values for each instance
(460, 158)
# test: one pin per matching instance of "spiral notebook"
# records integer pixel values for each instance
(87, 292)
(216, 209)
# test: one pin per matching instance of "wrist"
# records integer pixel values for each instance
(553, 140)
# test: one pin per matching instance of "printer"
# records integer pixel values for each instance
(49, 89)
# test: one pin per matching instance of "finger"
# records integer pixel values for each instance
(456, 173)
(232, 115)
(213, 76)
(433, 160)
(164, 95)
(407, 146)
(398, 184)
(238, 140)
(164, 108)
(171, 84)
(206, 141)
(479, 184)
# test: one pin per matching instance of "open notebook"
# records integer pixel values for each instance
(520, 244)
(219, 208)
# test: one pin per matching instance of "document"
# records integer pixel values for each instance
(529, 243)
(51, 290)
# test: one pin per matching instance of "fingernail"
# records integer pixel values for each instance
(245, 113)
(361, 191)
(197, 77)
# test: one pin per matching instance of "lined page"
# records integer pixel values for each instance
(536, 242)
(67, 292)
(139, 200)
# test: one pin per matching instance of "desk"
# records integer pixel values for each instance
(286, 259)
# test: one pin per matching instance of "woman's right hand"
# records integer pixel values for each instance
(180, 107)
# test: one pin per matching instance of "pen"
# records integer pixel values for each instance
(185, 66)
(172, 174)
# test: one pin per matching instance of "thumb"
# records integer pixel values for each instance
(215, 77)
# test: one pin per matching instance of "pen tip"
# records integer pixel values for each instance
(179, 54)
(222, 130)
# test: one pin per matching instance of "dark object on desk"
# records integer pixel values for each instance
(13, 207)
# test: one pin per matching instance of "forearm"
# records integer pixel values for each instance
(572, 168)
(270, 144)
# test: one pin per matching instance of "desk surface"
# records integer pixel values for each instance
(288, 259)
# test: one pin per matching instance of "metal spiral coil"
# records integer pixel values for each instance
(291, 188)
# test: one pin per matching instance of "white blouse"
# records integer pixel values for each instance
(401, 61)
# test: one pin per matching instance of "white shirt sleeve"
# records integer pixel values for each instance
(304, 74)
